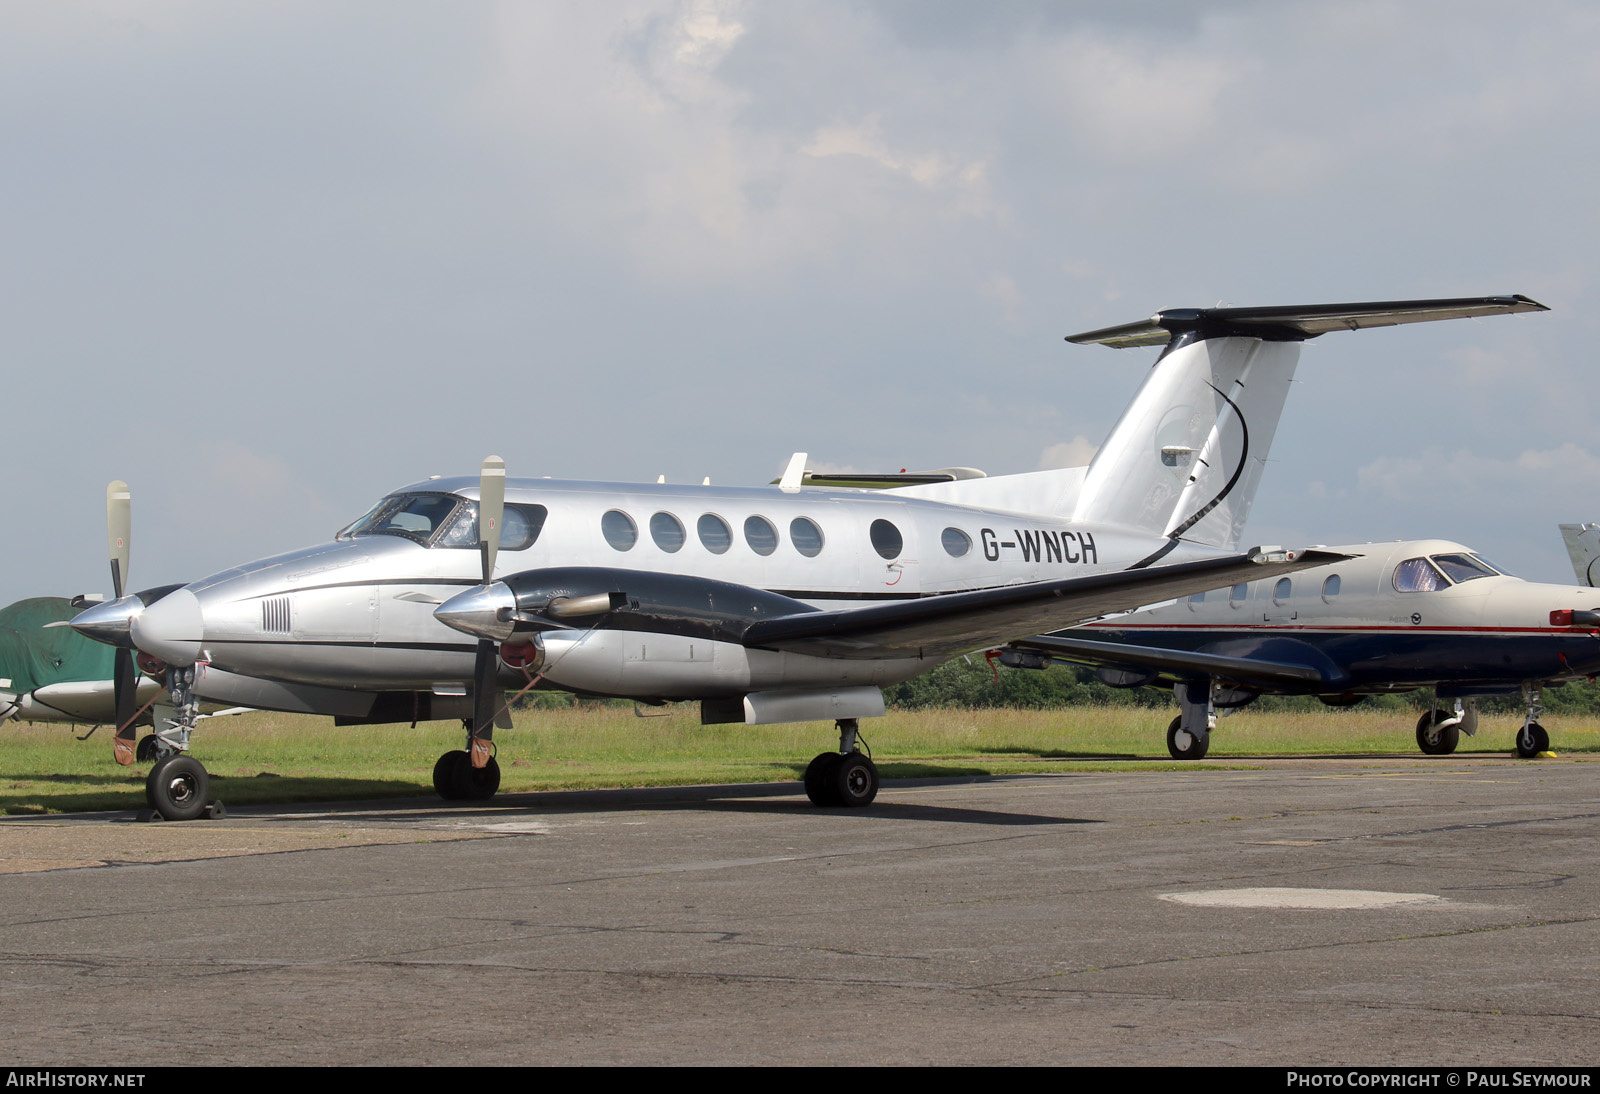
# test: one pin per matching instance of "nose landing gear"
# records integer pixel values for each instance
(178, 787)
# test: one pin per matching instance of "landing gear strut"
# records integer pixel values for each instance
(846, 778)
(1532, 739)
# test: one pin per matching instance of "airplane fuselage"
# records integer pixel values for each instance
(358, 612)
(1387, 620)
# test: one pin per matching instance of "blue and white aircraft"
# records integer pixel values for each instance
(1390, 617)
(769, 604)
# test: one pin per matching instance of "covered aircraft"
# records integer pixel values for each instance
(52, 673)
(766, 604)
(1392, 617)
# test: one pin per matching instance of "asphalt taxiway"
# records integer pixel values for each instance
(1437, 911)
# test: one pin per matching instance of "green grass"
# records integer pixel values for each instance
(263, 757)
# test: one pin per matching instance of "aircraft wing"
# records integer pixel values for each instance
(1250, 671)
(951, 623)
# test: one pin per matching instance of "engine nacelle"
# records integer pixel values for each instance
(638, 600)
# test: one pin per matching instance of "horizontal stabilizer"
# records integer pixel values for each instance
(1297, 322)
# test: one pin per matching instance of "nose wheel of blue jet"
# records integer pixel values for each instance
(1185, 745)
(1532, 740)
(1434, 738)
(177, 788)
(455, 779)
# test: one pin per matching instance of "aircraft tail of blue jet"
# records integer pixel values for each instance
(1583, 547)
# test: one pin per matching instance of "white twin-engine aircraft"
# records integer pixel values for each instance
(771, 604)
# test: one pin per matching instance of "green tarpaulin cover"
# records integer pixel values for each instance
(32, 655)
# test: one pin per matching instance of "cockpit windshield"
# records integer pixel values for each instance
(446, 520)
(1426, 575)
(414, 516)
(1464, 567)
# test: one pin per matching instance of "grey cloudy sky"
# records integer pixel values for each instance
(266, 261)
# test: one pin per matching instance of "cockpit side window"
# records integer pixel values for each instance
(1417, 575)
(1495, 566)
(1463, 567)
(519, 527)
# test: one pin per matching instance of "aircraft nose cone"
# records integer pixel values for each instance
(172, 628)
(484, 612)
(109, 622)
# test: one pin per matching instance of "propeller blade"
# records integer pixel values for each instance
(491, 509)
(486, 668)
(485, 700)
(118, 524)
(125, 690)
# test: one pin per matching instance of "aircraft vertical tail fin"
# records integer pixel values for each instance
(1186, 457)
(1583, 547)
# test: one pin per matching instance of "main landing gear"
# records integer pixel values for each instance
(454, 777)
(846, 778)
(1440, 730)
(1532, 739)
(178, 787)
(1189, 735)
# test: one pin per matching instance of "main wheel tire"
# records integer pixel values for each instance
(455, 779)
(1185, 745)
(1532, 742)
(855, 781)
(478, 783)
(146, 751)
(819, 779)
(1434, 739)
(177, 788)
(446, 782)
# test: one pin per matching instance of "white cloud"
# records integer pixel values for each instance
(1438, 479)
(1074, 453)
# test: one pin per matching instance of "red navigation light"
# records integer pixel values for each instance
(1562, 617)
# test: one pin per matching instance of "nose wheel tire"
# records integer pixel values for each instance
(177, 788)
(1532, 740)
(1434, 739)
(455, 779)
(1185, 745)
